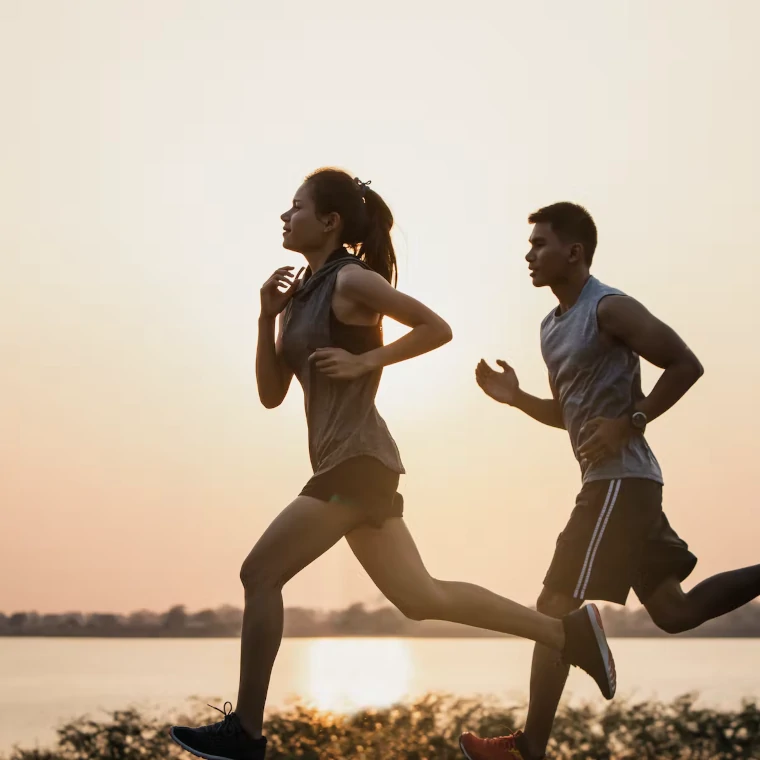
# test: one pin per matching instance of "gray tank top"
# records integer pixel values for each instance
(341, 416)
(592, 376)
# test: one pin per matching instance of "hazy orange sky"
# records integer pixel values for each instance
(147, 152)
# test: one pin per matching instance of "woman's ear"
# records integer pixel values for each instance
(331, 221)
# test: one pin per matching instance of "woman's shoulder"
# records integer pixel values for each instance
(354, 273)
(351, 264)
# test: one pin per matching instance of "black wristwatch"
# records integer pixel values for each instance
(639, 422)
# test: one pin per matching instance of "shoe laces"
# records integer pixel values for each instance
(505, 743)
(228, 726)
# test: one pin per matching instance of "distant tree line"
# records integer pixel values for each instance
(356, 620)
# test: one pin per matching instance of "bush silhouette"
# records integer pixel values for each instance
(428, 728)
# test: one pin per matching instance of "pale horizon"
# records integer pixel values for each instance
(149, 150)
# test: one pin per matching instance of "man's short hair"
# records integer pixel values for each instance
(571, 223)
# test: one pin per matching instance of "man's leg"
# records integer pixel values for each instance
(547, 680)
(665, 563)
(586, 565)
(675, 610)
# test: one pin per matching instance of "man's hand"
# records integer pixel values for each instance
(605, 437)
(500, 386)
(339, 364)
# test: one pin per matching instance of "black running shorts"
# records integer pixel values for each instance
(364, 482)
(617, 539)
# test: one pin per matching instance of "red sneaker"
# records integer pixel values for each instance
(498, 748)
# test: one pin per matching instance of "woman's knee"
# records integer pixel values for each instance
(411, 608)
(256, 575)
(301, 533)
(422, 604)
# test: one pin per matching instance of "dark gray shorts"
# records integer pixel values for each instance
(617, 539)
(364, 482)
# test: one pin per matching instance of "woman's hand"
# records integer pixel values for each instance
(372, 293)
(339, 364)
(274, 300)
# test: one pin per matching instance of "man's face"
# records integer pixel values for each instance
(550, 261)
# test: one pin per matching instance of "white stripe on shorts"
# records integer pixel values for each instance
(599, 539)
(596, 538)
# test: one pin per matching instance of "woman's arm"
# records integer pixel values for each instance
(273, 376)
(369, 291)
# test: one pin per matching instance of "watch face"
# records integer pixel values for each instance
(639, 420)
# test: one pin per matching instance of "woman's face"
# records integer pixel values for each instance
(303, 230)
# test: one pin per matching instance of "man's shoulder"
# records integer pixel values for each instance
(602, 289)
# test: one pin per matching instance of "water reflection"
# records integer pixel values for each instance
(350, 674)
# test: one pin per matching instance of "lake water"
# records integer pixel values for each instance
(46, 681)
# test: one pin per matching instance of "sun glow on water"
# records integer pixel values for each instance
(350, 674)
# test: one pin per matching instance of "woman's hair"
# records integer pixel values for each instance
(367, 220)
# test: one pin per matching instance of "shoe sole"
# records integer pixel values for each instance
(609, 661)
(195, 751)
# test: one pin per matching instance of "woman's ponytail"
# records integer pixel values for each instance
(376, 249)
(367, 220)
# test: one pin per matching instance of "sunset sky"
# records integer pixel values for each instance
(147, 150)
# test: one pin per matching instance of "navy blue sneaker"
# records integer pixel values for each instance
(226, 740)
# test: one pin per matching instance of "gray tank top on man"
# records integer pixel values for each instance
(592, 376)
(342, 419)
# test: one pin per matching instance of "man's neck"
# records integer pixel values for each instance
(569, 291)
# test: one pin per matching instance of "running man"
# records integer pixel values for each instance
(617, 537)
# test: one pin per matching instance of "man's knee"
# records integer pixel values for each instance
(672, 619)
(669, 608)
(555, 604)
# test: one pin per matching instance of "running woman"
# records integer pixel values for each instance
(330, 338)
(617, 537)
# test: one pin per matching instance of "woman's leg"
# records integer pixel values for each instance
(301, 533)
(390, 557)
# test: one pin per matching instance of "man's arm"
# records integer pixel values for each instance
(545, 410)
(626, 320)
(505, 388)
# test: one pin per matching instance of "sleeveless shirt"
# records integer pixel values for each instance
(341, 416)
(593, 377)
